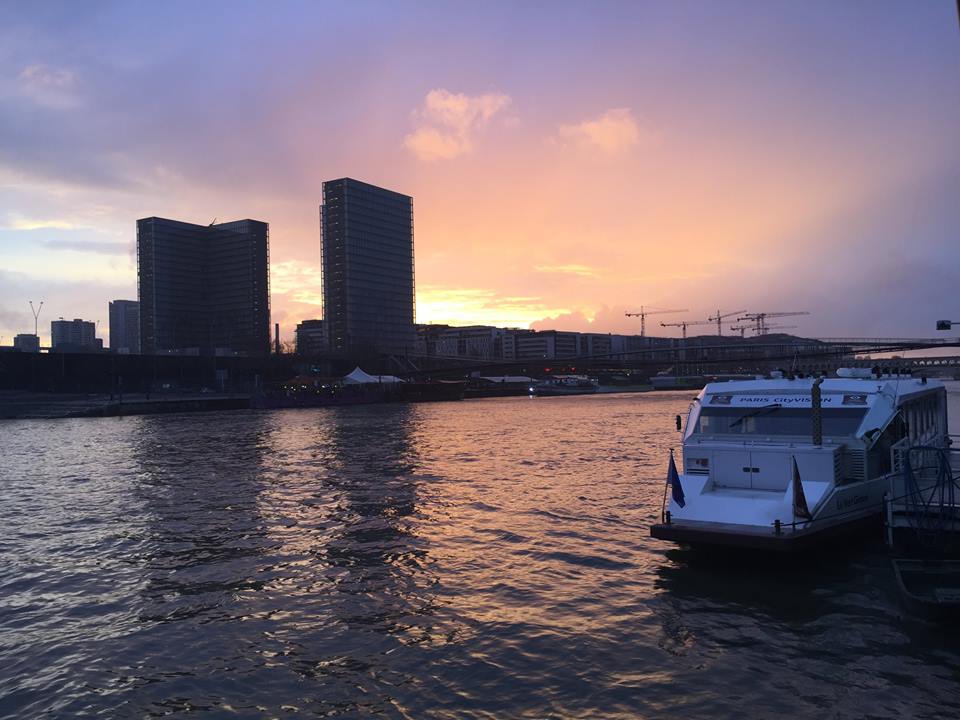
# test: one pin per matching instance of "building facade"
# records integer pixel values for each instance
(311, 337)
(367, 263)
(476, 342)
(27, 342)
(74, 336)
(125, 327)
(203, 289)
(547, 345)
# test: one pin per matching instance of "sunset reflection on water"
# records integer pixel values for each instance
(477, 559)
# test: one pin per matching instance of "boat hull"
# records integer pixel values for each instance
(728, 535)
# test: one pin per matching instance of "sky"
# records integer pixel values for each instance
(569, 161)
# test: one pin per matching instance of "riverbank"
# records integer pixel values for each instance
(29, 405)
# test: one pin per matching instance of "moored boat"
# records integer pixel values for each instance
(781, 463)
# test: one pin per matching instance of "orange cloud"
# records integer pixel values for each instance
(613, 131)
(479, 306)
(570, 269)
(449, 121)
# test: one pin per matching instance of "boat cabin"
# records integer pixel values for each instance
(745, 434)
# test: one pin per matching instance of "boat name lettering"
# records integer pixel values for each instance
(849, 502)
(791, 400)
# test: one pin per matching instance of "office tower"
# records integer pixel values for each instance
(125, 327)
(74, 336)
(203, 289)
(367, 260)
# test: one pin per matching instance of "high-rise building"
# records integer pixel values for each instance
(203, 288)
(367, 261)
(125, 327)
(74, 336)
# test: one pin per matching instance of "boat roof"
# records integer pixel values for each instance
(836, 392)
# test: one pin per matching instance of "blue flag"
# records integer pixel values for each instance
(676, 489)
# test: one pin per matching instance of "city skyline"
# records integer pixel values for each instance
(565, 168)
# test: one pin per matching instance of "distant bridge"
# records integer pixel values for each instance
(904, 363)
(702, 355)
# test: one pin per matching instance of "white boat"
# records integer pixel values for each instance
(779, 463)
(566, 385)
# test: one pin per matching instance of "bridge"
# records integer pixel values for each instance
(702, 356)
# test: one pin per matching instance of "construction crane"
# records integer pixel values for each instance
(759, 320)
(685, 323)
(718, 318)
(644, 311)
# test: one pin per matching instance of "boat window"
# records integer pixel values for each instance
(923, 418)
(879, 455)
(693, 419)
(776, 420)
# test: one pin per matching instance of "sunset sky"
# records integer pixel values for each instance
(568, 161)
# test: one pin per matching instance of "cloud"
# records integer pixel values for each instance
(45, 76)
(613, 131)
(448, 123)
(298, 283)
(294, 276)
(49, 86)
(478, 306)
(15, 221)
(605, 319)
(90, 246)
(572, 269)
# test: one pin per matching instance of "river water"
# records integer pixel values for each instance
(482, 559)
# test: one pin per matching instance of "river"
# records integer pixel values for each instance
(481, 559)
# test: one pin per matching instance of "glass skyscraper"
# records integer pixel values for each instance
(367, 260)
(203, 288)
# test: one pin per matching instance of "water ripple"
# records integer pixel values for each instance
(483, 559)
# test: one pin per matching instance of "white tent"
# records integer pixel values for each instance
(359, 377)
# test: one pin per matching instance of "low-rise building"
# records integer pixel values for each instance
(74, 336)
(547, 344)
(27, 342)
(595, 345)
(476, 342)
(311, 337)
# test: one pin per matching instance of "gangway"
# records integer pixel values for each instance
(922, 514)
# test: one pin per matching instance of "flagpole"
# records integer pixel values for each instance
(793, 502)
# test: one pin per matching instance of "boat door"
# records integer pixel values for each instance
(751, 470)
(769, 470)
(732, 468)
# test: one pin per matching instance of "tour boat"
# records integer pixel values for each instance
(782, 462)
(566, 385)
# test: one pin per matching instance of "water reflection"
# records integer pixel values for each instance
(199, 484)
(483, 559)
